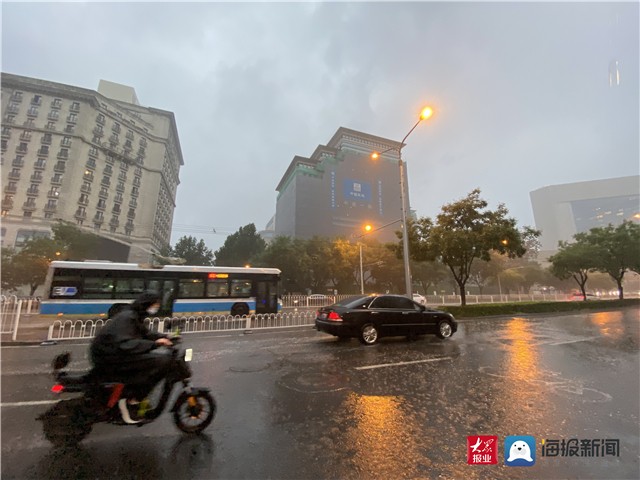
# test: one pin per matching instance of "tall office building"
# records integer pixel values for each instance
(561, 211)
(339, 189)
(97, 159)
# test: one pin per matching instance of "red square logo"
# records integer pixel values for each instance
(482, 450)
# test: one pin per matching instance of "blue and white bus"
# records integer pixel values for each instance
(95, 289)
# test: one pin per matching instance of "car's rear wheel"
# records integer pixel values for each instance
(368, 334)
(445, 329)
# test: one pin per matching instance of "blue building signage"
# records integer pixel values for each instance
(357, 191)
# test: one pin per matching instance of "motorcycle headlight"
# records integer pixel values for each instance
(188, 354)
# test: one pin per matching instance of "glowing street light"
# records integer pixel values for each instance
(426, 113)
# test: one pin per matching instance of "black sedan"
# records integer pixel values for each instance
(369, 317)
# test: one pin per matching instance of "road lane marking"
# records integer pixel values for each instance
(27, 404)
(383, 365)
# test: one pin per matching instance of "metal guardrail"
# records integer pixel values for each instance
(11, 309)
(81, 329)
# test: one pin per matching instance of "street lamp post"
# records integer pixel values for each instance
(426, 113)
(361, 271)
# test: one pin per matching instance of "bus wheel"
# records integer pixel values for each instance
(116, 308)
(240, 309)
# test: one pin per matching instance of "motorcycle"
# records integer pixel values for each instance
(70, 421)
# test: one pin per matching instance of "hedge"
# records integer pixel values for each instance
(481, 310)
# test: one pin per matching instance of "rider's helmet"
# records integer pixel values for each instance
(142, 304)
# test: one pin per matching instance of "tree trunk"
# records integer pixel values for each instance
(463, 294)
(620, 289)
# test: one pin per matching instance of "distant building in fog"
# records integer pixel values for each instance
(561, 211)
(339, 189)
(97, 159)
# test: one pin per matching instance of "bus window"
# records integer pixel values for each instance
(97, 287)
(129, 287)
(240, 288)
(217, 288)
(191, 288)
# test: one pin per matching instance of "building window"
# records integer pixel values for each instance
(100, 118)
(36, 100)
(57, 103)
(102, 203)
(27, 214)
(66, 141)
(29, 123)
(116, 208)
(116, 127)
(69, 128)
(46, 138)
(84, 199)
(53, 115)
(32, 112)
(50, 126)
(118, 198)
(72, 118)
(108, 170)
(75, 106)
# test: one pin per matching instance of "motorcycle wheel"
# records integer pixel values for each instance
(66, 423)
(194, 412)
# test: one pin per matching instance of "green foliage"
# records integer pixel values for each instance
(466, 231)
(193, 251)
(618, 250)
(291, 257)
(73, 243)
(611, 250)
(240, 248)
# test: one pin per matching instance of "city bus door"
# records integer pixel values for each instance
(168, 290)
(266, 296)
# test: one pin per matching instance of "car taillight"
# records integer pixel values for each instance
(334, 316)
(57, 388)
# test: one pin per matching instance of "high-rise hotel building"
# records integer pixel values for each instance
(97, 159)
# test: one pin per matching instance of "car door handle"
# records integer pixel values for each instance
(406, 313)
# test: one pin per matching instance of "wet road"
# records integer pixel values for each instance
(299, 404)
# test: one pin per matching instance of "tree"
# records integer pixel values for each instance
(193, 251)
(464, 231)
(574, 260)
(291, 257)
(240, 248)
(618, 250)
(8, 277)
(73, 243)
(30, 264)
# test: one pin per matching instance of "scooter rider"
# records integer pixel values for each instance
(126, 351)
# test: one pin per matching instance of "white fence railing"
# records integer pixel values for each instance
(11, 309)
(314, 301)
(79, 329)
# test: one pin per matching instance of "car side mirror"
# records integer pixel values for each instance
(422, 308)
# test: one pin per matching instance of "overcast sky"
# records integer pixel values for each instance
(521, 91)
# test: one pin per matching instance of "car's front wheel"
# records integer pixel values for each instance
(368, 334)
(445, 329)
